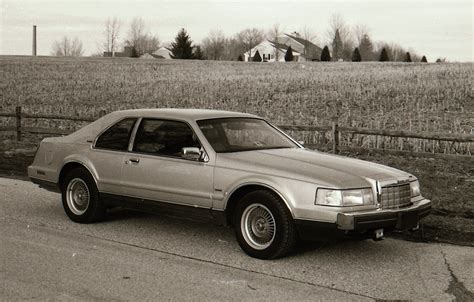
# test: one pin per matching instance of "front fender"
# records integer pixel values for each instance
(293, 192)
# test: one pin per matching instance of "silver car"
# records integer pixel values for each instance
(231, 168)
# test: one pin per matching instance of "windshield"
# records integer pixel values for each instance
(242, 134)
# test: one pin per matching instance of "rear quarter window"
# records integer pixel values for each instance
(117, 137)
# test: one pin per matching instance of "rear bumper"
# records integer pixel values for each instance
(48, 185)
(363, 223)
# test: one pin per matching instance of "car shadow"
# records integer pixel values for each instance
(209, 230)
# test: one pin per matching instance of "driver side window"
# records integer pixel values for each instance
(162, 137)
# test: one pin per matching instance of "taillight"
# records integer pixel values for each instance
(37, 149)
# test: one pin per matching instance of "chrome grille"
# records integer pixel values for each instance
(395, 196)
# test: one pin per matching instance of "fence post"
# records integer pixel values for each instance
(335, 137)
(18, 122)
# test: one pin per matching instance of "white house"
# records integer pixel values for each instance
(162, 53)
(267, 50)
(303, 50)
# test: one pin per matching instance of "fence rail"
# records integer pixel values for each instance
(334, 129)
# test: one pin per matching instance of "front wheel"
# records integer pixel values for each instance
(263, 225)
(80, 197)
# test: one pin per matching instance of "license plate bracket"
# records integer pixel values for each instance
(408, 220)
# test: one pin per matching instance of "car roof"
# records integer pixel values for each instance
(189, 115)
(178, 113)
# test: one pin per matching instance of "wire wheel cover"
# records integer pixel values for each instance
(77, 196)
(258, 226)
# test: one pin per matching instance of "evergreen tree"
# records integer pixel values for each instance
(182, 47)
(198, 54)
(366, 48)
(337, 47)
(407, 57)
(289, 55)
(325, 55)
(424, 60)
(384, 55)
(257, 57)
(356, 55)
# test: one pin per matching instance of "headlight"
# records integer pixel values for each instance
(344, 198)
(415, 188)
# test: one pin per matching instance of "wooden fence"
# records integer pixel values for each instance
(334, 129)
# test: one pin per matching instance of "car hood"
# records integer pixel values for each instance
(311, 166)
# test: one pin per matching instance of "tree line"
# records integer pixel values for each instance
(341, 43)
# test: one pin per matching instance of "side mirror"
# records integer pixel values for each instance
(193, 153)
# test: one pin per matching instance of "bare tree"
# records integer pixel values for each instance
(249, 38)
(233, 49)
(67, 47)
(360, 31)
(111, 34)
(363, 42)
(136, 30)
(414, 56)
(338, 25)
(273, 34)
(140, 39)
(396, 52)
(214, 45)
(309, 36)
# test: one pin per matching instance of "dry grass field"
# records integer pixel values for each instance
(416, 97)
(397, 96)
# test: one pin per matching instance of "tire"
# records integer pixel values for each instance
(263, 225)
(80, 197)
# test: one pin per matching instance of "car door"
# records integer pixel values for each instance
(108, 153)
(156, 170)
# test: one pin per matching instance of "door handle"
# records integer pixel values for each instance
(133, 161)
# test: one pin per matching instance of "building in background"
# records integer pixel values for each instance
(303, 50)
(128, 52)
(162, 53)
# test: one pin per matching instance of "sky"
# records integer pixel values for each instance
(438, 28)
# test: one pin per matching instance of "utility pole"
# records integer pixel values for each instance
(34, 40)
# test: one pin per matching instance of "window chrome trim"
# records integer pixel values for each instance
(298, 145)
(141, 119)
(134, 133)
(287, 135)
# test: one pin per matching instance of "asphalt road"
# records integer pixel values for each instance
(136, 256)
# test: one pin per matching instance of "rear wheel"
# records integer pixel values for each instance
(80, 197)
(263, 225)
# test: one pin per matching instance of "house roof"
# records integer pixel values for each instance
(304, 42)
(299, 46)
(282, 47)
(162, 52)
(309, 49)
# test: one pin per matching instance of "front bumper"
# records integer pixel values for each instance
(402, 219)
(363, 222)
